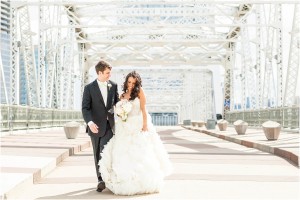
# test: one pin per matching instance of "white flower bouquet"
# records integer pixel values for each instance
(123, 107)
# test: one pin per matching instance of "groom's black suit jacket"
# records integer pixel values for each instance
(94, 109)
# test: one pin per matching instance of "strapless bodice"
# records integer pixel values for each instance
(136, 108)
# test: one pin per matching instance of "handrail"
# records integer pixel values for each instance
(18, 117)
(288, 117)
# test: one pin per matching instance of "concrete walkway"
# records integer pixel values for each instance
(205, 167)
(27, 156)
(286, 146)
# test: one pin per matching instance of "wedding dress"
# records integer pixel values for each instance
(134, 162)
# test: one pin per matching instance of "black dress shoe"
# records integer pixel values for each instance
(100, 186)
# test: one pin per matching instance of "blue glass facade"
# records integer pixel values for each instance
(5, 50)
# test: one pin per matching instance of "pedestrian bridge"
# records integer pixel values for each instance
(200, 61)
(197, 60)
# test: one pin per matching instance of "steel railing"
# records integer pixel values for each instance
(288, 117)
(17, 117)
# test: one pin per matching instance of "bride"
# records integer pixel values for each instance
(134, 161)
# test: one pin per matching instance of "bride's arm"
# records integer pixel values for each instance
(143, 109)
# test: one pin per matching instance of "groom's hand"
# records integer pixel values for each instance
(93, 127)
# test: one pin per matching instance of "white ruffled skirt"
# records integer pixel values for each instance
(134, 162)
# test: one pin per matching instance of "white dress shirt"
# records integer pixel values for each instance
(103, 89)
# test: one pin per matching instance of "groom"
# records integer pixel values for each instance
(98, 100)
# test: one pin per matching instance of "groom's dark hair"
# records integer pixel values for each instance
(101, 66)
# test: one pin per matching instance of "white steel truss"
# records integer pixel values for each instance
(292, 81)
(228, 80)
(67, 72)
(155, 36)
(272, 89)
(258, 76)
(41, 56)
(50, 42)
(28, 56)
(189, 93)
(56, 58)
(229, 61)
(149, 2)
(14, 57)
(257, 66)
(180, 34)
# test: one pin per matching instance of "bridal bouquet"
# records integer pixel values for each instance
(123, 107)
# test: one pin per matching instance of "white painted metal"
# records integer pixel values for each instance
(278, 57)
(228, 79)
(41, 56)
(258, 54)
(51, 51)
(249, 81)
(187, 92)
(249, 92)
(292, 82)
(15, 44)
(270, 93)
(125, 36)
(150, 2)
(28, 55)
(68, 72)
(183, 38)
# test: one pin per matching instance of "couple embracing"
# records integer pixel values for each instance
(129, 155)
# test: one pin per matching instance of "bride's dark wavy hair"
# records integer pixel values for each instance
(137, 87)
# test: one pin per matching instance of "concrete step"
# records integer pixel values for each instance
(27, 156)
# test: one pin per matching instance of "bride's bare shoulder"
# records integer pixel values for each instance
(141, 92)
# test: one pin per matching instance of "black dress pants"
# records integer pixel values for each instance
(98, 146)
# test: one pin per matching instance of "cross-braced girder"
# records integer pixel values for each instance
(245, 37)
(258, 73)
(153, 34)
(185, 92)
(28, 57)
(292, 81)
